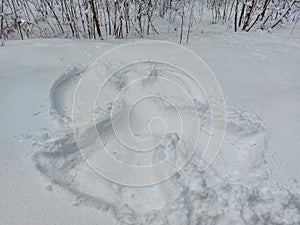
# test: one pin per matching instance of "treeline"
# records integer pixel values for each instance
(139, 18)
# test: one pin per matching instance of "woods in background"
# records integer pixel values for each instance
(137, 18)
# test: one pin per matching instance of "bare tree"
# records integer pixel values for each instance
(95, 19)
(120, 18)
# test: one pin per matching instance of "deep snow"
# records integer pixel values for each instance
(254, 180)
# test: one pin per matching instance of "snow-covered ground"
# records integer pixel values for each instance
(254, 180)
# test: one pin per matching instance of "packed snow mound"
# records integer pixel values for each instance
(124, 119)
(236, 189)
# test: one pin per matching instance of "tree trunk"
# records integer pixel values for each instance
(16, 19)
(96, 22)
(236, 15)
(2, 19)
(248, 15)
(108, 17)
(190, 21)
(181, 27)
(242, 14)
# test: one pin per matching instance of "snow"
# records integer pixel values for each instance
(254, 180)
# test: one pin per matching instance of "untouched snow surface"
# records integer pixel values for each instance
(254, 180)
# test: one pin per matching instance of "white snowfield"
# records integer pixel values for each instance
(44, 178)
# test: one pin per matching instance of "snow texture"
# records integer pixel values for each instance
(242, 185)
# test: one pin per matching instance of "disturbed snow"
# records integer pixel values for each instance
(259, 74)
(236, 189)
